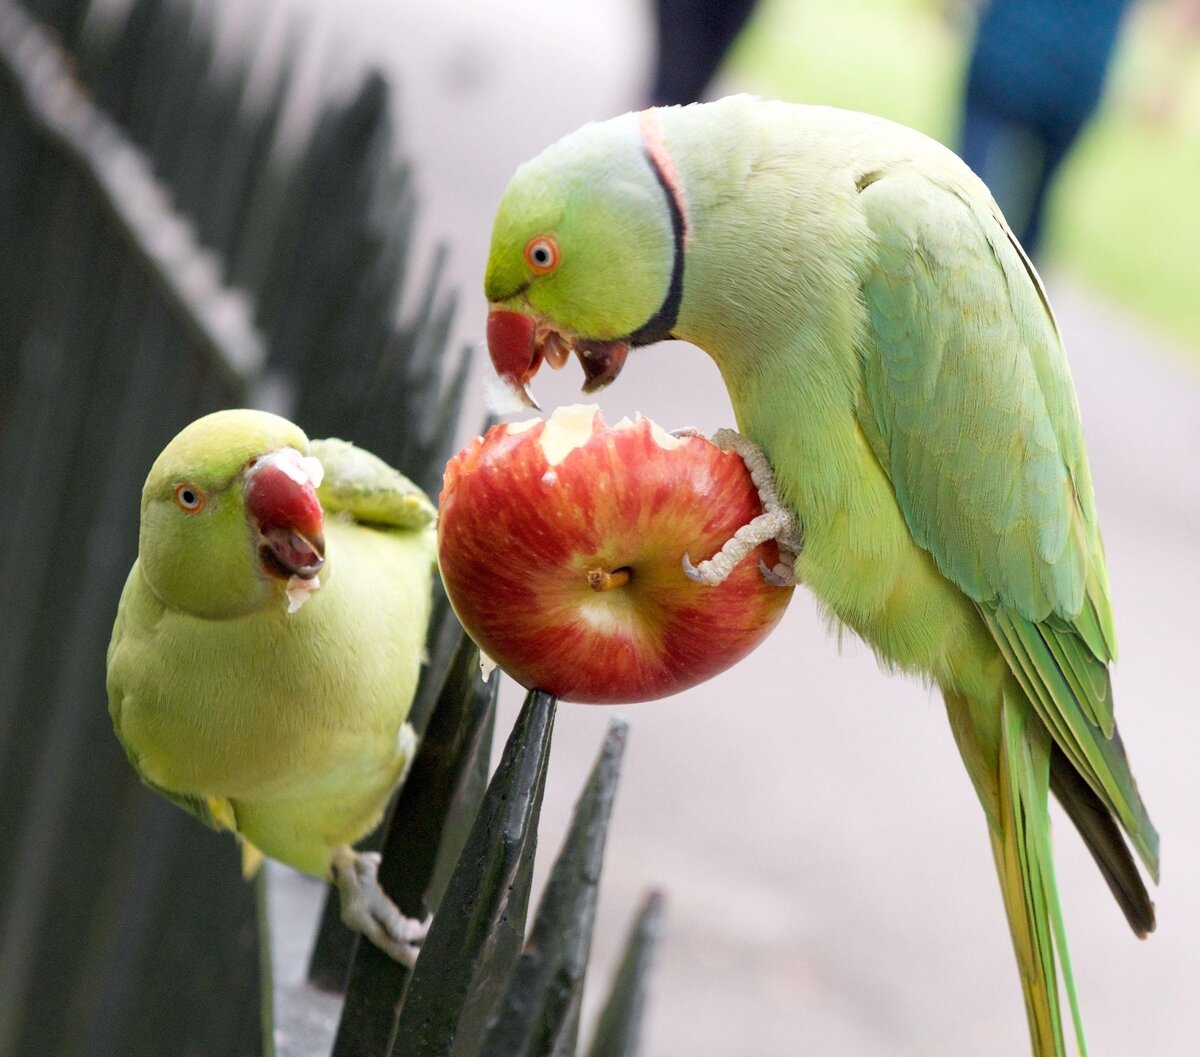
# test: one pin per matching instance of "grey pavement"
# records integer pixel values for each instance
(830, 886)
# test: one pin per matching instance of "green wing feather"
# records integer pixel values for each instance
(366, 488)
(197, 806)
(976, 423)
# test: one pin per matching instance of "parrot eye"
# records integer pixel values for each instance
(189, 498)
(541, 254)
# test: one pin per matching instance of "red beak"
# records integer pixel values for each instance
(514, 352)
(288, 516)
(518, 344)
(601, 362)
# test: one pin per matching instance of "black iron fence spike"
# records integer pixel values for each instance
(477, 934)
(539, 1013)
(618, 1029)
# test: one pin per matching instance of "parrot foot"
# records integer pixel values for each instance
(776, 522)
(366, 907)
(783, 575)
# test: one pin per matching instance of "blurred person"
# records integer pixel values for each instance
(1036, 74)
(1157, 100)
(693, 37)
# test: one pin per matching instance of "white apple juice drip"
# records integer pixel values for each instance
(486, 665)
(500, 398)
(298, 590)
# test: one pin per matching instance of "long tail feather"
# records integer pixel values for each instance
(1103, 839)
(1100, 759)
(1026, 868)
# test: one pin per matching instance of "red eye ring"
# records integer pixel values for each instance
(189, 498)
(541, 254)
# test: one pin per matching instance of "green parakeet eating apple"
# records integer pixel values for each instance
(267, 646)
(889, 346)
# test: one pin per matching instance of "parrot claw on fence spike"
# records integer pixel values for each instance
(366, 908)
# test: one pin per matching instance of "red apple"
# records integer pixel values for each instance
(560, 545)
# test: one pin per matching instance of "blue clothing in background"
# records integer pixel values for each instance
(1036, 74)
(692, 39)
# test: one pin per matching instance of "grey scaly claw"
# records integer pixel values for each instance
(776, 522)
(781, 576)
(367, 908)
(715, 570)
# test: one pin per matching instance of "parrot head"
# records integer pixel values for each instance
(586, 254)
(231, 521)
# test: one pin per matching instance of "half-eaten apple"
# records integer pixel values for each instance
(560, 544)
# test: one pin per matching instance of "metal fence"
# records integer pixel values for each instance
(163, 253)
(181, 231)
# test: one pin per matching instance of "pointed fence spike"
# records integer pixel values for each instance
(540, 1010)
(477, 934)
(217, 316)
(152, 73)
(618, 1031)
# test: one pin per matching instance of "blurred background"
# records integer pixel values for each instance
(829, 880)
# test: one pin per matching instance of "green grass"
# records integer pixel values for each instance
(1126, 211)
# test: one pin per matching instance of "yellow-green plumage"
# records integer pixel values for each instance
(887, 343)
(288, 727)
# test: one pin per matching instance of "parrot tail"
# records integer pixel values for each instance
(1103, 838)
(252, 859)
(1026, 867)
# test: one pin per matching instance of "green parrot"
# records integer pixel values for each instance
(267, 646)
(888, 346)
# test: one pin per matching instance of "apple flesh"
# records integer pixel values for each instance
(560, 544)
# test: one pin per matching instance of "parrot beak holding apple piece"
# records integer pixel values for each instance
(518, 343)
(281, 497)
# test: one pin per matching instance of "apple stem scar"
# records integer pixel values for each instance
(602, 580)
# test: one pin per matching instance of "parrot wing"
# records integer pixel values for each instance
(971, 411)
(216, 812)
(212, 811)
(366, 488)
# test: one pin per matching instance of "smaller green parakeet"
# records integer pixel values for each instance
(268, 642)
